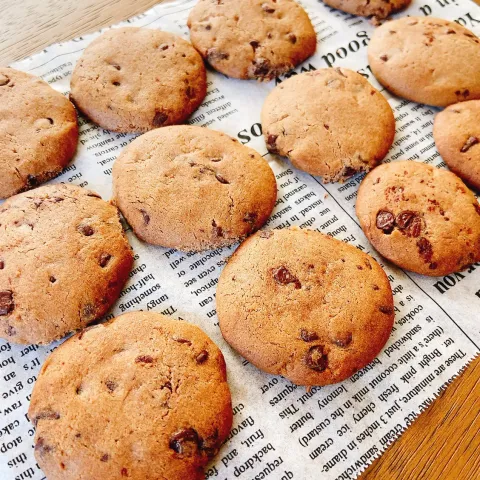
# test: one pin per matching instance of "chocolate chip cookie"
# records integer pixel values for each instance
(369, 8)
(63, 261)
(457, 136)
(419, 217)
(427, 60)
(252, 39)
(349, 127)
(38, 132)
(140, 397)
(192, 188)
(285, 302)
(136, 79)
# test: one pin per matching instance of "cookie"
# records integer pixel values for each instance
(303, 305)
(369, 8)
(456, 131)
(427, 60)
(349, 127)
(419, 217)
(38, 132)
(136, 79)
(192, 188)
(140, 397)
(63, 261)
(252, 39)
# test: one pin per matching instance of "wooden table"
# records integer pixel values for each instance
(444, 443)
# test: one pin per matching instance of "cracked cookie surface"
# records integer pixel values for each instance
(38, 132)
(137, 79)
(419, 217)
(303, 305)
(63, 261)
(366, 8)
(252, 39)
(427, 60)
(349, 127)
(192, 188)
(456, 131)
(140, 397)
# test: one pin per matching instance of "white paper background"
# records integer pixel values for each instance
(280, 431)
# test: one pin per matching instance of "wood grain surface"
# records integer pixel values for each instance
(444, 442)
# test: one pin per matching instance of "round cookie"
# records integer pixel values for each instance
(349, 127)
(252, 39)
(367, 8)
(140, 397)
(38, 131)
(456, 131)
(63, 261)
(192, 188)
(303, 305)
(419, 217)
(424, 59)
(136, 79)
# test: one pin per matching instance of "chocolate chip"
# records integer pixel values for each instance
(52, 279)
(104, 457)
(88, 312)
(124, 472)
(292, 38)
(6, 302)
(316, 359)
(159, 119)
(182, 340)
(469, 144)
(117, 67)
(216, 160)
(376, 287)
(451, 32)
(415, 227)
(250, 218)
(163, 46)
(385, 309)
(425, 249)
(217, 230)
(146, 217)
(262, 67)
(254, 44)
(343, 340)
(221, 179)
(144, 359)
(271, 143)
(268, 8)
(104, 259)
(202, 357)
(117, 84)
(79, 390)
(210, 445)
(2, 264)
(46, 415)
(32, 181)
(404, 219)
(190, 92)
(283, 277)
(384, 58)
(385, 221)
(433, 266)
(87, 230)
(208, 27)
(111, 385)
(41, 447)
(214, 55)
(307, 336)
(11, 332)
(185, 442)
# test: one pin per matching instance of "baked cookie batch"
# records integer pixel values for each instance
(158, 388)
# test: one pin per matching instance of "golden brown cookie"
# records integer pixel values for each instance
(136, 79)
(252, 39)
(140, 397)
(419, 217)
(369, 8)
(192, 188)
(38, 132)
(63, 261)
(427, 60)
(285, 302)
(457, 136)
(349, 127)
